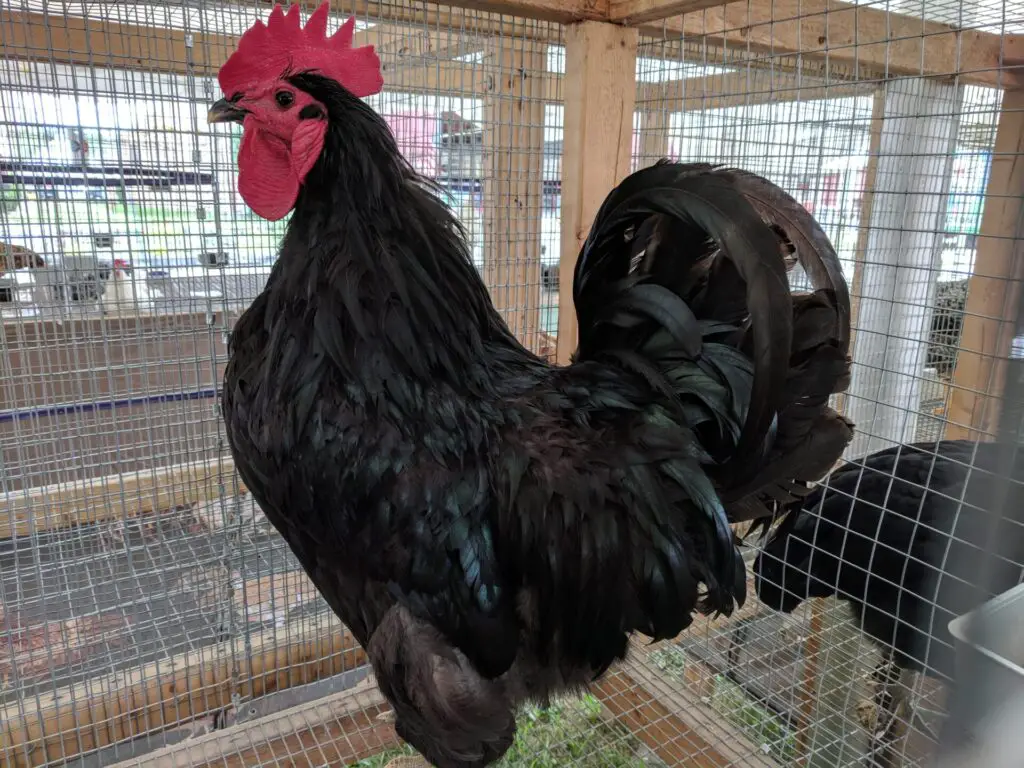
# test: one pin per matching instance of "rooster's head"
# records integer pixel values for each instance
(283, 125)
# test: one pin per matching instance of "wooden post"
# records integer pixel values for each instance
(834, 736)
(513, 187)
(809, 679)
(993, 290)
(904, 245)
(600, 93)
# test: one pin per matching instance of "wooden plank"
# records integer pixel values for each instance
(809, 682)
(272, 597)
(993, 291)
(686, 706)
(461, 78)
(600, 93)
(77, 41)
(633, 12)
(513, 184)
(339, 729)
(691, 94)
(102, 711)
(748, 88)
(114, 497)
(672, 740)
(561, 11)
(481, 16)
(840, 672)
(871, 41)
(411, 46)
(412, 58)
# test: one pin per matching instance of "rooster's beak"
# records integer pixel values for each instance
(224, 111)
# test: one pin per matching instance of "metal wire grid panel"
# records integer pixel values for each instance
(115, 350)
(141, 590)
(897, 170)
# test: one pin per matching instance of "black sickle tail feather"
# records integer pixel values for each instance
(811, 436)
(686, 266)
(663, 245)
(700, 215)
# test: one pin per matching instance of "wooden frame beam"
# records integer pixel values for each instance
(744, 89)
(462, 79)
(873, 41)
(342, 728)
(407, 46)
(113, 497)
(324, 728)
(877, 43)
(172, 691)
(513, 184)
(994, 288)
(561, 11)
(28, 36)
(635, 12)
(76, 41)
(95, 42)
(668, 716)
(73, 41)
(600, 95)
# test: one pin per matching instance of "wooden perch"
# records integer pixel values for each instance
(126, 704)
(339, 729)
(343, 728)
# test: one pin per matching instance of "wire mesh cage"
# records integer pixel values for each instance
(149, 613)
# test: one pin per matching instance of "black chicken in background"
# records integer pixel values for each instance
(901, 537)
(490, 527)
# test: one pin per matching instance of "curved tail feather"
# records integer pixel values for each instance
(683, 278)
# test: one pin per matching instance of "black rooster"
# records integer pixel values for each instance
(492, 528)
(902, 537)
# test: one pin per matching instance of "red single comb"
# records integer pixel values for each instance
(266, 51)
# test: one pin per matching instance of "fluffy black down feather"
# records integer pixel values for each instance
(907, 560)
(491, 527)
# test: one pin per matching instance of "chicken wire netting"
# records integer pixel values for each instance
(147, 602)
(899, 170)
(133, 566)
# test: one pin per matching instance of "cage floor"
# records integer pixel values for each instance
(87, 602)
(95, 599)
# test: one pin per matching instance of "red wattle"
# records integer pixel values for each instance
(266, 180)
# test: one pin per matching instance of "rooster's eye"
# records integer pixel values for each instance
(284, 99)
